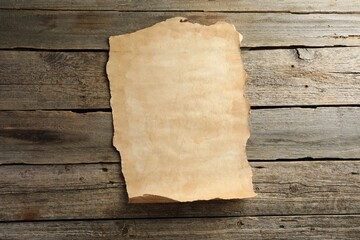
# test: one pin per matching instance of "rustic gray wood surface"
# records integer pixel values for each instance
(95, 191)
(280, 77)
(296, 6)
(264, 227)
(60, 177)
(56, 137)
(91, 29)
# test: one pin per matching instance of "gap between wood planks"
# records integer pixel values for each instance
(180, 217)
(279, 160)
(252, 107)
(259, 48)
(90, 110)
(200, 5)
(181, 11)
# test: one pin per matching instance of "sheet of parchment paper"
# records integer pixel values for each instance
(179, 112)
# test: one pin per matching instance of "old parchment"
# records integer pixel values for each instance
(179, 112)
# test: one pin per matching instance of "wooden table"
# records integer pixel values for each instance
(60, 177)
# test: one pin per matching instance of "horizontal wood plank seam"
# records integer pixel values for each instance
(180, 11)
(89, 110)
(66, 190)
(251, 161)
(180, 217)
(258, 48)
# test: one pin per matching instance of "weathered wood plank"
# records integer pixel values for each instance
(285, 133)
(76, 80)
(53, 80)
(56, 137)
(314, 133)
(91, 29)
(82, 191)
(303, 76)
(192, 5)
(275, 227)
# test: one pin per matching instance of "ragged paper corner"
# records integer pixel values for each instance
(179, 112)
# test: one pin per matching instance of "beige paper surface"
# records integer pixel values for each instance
(179, 112)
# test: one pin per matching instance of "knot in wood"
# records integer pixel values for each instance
(294, 188)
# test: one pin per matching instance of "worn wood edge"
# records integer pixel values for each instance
(295, 6)
(95, 191)
(82, 29)
(50, 137)
(279, 227)
(33, 80)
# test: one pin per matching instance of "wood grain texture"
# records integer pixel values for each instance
(91, 29)
(75, 80)
(276, 227)
(192, 5)
(303, 76)
(85, 191)
(33, 80)
(56, 137)
(286, 133)
(53, 80)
